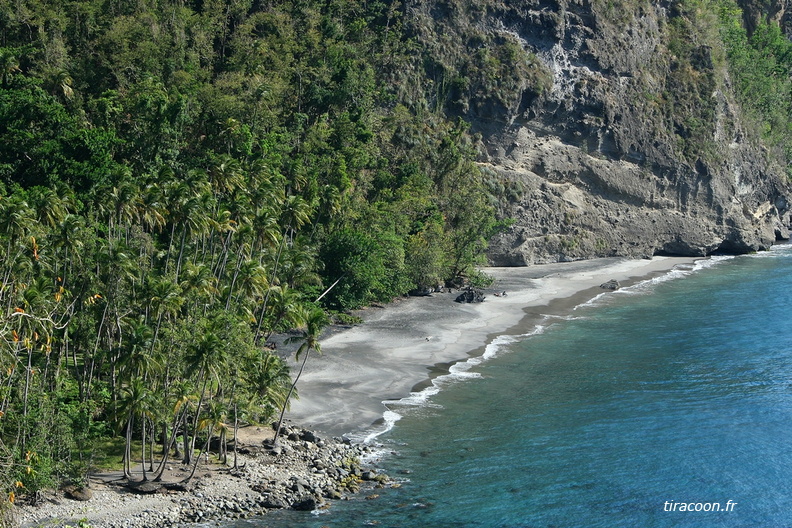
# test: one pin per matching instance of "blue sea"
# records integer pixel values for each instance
(674, 393)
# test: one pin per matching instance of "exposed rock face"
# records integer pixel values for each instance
(756, 11)
(619, 132)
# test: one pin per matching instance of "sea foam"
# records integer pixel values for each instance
(459, 371)
(646, 286)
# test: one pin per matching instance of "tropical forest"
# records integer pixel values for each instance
(179, 181)
(184, 181)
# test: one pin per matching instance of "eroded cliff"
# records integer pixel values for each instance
(615, 124)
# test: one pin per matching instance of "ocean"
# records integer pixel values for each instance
(665, 404)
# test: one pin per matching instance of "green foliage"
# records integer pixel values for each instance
(356, 259)
(479, 279)
(180, 180)
(42, 143)
(705, 35)
(761, 66)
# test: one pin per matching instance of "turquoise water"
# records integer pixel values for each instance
(675, 390)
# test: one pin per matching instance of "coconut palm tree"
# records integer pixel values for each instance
(60, 83)
(315, 321)
(329, 205)
(185, 399)
(68, 237)
(270, 381)
(205, 359)
(166, 299)
(151, 208)
(16, 219)
(50, 208)
(295, 212)
(284, 306)
(198, 284)
(136, 357)
(214, 418)
(252, 280)
(136, 401)
(225, 175)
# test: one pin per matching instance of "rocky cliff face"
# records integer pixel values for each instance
(614, 123)
(756, 11)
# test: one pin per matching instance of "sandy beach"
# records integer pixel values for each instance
(400, 347)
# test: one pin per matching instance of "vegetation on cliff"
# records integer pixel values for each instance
(179, 180)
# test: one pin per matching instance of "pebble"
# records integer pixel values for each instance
(307, 471)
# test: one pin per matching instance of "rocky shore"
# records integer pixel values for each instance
(305, 472)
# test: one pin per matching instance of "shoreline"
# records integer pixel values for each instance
(400, 350)
(309, 471)
(398, 353)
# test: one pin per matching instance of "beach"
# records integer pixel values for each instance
(399, 348)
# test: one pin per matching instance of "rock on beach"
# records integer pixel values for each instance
(308, 472)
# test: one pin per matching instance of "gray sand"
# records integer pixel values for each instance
(401, 346)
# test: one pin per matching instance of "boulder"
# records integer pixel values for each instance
(271, 502)
(309, 436)
(610, 285)
(333, 494)
(470, 295)
(78, 493)
(179, 486)
(147, 488)
(306, 503)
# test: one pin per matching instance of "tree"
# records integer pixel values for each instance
(315, 321)
(136, 401)
(205, 358)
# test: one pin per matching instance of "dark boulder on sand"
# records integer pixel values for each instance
(470, 295)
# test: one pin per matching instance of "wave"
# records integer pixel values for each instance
(459, 371)
(783, 250)
(647, 286)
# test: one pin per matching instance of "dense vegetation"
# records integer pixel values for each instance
(181, 179)
(761, 64)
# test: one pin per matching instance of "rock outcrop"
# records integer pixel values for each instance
(616, 129)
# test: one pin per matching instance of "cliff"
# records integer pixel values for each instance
(615, 125)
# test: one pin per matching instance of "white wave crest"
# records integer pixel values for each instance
(646, 286)
(459, 371)
(389, 419)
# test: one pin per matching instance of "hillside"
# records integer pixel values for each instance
(621, 128)
(180, 179)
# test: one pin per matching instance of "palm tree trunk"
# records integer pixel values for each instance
(236, 274)
(198, 458)
(224, 445)
(170, 246)
(181, 253)
(190, 446)
(152, 440)
(167, 446)
(272, 281)
(128, 449)
(236, 437)
(286, 401)
(143, 446)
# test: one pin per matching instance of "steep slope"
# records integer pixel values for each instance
(616, 124)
